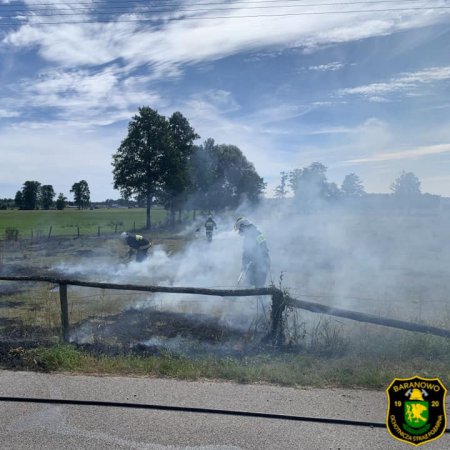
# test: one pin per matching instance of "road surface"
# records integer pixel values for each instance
(47, 426)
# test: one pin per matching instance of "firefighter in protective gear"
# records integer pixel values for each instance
(255, 255)
(137, 244)
(210, 225)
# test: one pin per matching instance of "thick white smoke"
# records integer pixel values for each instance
(199, 263)
(390, 264)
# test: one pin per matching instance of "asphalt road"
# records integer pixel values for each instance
(44, 426)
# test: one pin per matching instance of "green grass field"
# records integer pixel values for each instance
(70, 222)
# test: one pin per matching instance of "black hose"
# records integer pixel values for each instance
(224, 412)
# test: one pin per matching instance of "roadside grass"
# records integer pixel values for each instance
(273, 368)
(69, 222)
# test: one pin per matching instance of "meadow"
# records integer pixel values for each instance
(74, 222)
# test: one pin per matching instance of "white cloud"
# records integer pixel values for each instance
(186, 41)
(60, 157)
(407, 83)
(414, 153)
(4, 113)
(92, 98)
(333, 66)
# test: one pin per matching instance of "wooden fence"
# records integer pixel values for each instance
(280, 301)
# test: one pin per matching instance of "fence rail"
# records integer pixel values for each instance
(280, 301)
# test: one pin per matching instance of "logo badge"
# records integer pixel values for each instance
(416, 409)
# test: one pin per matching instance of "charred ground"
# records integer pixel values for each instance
(119, 329)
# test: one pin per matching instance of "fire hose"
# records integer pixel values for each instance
(262, 415)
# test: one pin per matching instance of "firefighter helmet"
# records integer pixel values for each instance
(241, 222)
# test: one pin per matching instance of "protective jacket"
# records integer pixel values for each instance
(255, 256)
(139, 244)
(210, 225)
(137, 241)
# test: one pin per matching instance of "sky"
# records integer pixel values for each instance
(360, 86)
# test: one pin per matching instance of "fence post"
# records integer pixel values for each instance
(50, 231)
(276, 316)
(98, 231)
(64, 312)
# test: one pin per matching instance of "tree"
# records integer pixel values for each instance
(406, 185)
(176, 171)
(81, 194)
(30, 192)
(352, 186)
(310, 185)
(18, 199)
(46, 196)
(61, 202)
(406, 190)
(281, 190)
(223, 177)
(139, 164)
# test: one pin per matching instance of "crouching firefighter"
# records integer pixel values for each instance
(255, 255)
(137, 244)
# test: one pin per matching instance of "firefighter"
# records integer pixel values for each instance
(255, 255)
(137, 244)
(210, 225)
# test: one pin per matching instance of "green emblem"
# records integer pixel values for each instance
(416, 409)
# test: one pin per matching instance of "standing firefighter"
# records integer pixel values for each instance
(137, 244)
(210, 225)
(255, 256)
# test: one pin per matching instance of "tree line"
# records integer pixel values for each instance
(35, 195)
(158, 163)
(310, 188)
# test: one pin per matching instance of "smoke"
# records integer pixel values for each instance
(197, 263)
(391, 264)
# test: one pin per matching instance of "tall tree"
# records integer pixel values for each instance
(223, 177)
(139, 165)
(46, 196)
(281, 190)
(30, 192)
(176, 170)
(352, 186)
(81, 194)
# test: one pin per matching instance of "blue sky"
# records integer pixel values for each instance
(360, 86)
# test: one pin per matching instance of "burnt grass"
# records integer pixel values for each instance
(140, 332)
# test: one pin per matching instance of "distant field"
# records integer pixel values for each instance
(72, 221)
